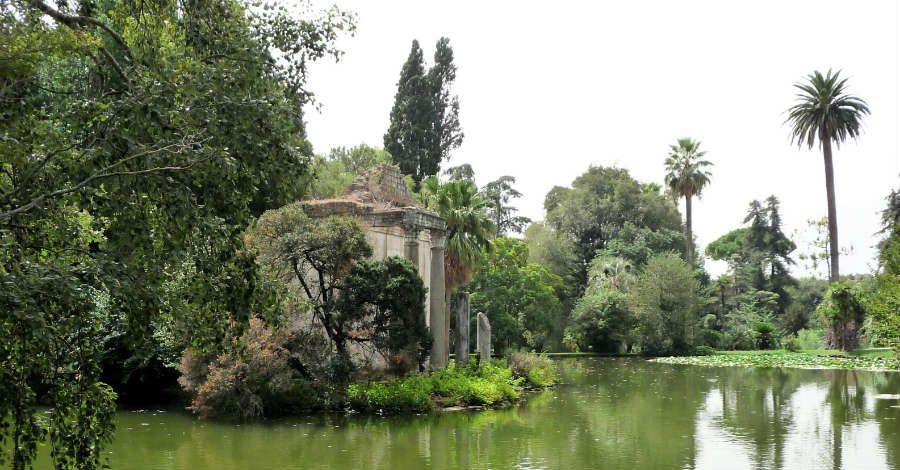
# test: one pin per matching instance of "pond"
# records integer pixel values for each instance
(609, 414)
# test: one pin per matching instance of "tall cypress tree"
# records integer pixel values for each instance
(779, 248)
(424, 124)
(446, 134)
(408, 135)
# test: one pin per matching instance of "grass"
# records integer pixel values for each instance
(867, 359)
(471, 385)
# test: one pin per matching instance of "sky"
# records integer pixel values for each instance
(547, 89)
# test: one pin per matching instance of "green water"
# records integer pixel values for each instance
(610, 414)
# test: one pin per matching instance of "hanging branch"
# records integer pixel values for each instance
(78, 22)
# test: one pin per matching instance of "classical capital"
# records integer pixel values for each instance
(437, 240)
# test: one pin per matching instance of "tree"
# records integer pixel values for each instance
(804, 297)
(686, 177)
(354, 300)
(446, 133)
(141, 143)
(391, 296)
(597, 207)
(778, 248)
(468, 228)
(639, 244)
(603, 321)
(518, 296)
(665, 301)
(824, 112)
(461, 172)
(844, 312)
(758, 255)
(332, 175)
(884, 305)
(500, 192)
(424, 125)
(558, 254)
(407, 137)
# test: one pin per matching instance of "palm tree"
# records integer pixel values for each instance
(468, 228)
(686, 177)
(723, 284)
(824, 112)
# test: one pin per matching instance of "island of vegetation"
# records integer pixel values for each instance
(154, 244)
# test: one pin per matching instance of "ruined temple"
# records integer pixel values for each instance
(397, 226)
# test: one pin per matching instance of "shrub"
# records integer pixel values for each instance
(251, 379)
(811, 339)
(843, 312)
(473, 384)
(602, 320)
(703, 350)
(409, 394)
(764, 334)
(710, 337)
(665, 301)
(790, 343)
(750, 326)
(537, 370)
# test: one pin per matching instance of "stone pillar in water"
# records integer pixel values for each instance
(484, 338)
(439, 351)
(462, 328)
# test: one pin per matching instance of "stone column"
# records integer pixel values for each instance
(411, 246)
(439, 352)
(462, 328)
(484, 338)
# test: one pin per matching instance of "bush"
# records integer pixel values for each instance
(750, 326)
(473, 384)
(710, 337)
(790, 343)
(703, 351)
(602, 320)
(537, 370)
(764, 334)
(409, 394)
(665, 300)
(251, 379)
(811, 339)
(843, 312)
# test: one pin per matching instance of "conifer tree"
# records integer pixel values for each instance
(424, 124)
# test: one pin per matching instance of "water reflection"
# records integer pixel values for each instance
(611, 414)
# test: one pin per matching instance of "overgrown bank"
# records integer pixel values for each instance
(493, 384)
(798, 359)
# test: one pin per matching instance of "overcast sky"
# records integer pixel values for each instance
(548, 89)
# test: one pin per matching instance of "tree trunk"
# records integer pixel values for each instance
(688, 232)
(834, 275)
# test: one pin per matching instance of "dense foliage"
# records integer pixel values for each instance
(884, 302)
(353, 300)
(469, 229)
(518, 297)
(457, 385)
(332, 174)
(603, 321)
(141, 140)
(665, 300)
(597, 207)
(424, 125)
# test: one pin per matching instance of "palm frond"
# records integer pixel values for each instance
(823, 109)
